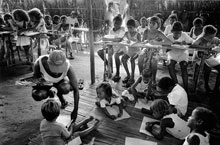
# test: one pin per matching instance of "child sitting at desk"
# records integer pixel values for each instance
(48, 22)
(21, 19)
(56, 23)
(201, 121)
(177, 36)
(208, 39)
(118, 31)
(54, 133)
(37, 23)
(106, 97)
(66, 36)
(176, 96)
(153, 36)
(130, 36)
(170, 122)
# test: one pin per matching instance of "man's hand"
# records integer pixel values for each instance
(74, 115)
(113, 117)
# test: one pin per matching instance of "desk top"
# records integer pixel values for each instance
(80, 29)
(5, 32)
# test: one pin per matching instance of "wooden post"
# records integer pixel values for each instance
(92, 60)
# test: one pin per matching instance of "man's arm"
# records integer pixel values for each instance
(74, 85)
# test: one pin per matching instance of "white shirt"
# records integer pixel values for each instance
(46, 76)
(178, 98)
(178, 52)
(119, 33)
(180, 129)
(203, 140)
(72, 21)
(167, 29)
(141, 30)
(114, 100)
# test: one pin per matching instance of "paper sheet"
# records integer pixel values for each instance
(64, 119)
(141, 103)
(143, 125)
(75, 141)
(114, 110)
(135, 141)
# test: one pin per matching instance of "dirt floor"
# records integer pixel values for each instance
(20, 115)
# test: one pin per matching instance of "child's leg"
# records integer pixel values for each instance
(154, 69)
(183, 66)
(132, 60)
(117, 62)
(171, 68)
(207, 71)
(88, 130)
(141, 61)
(124, 60)
(217, 83)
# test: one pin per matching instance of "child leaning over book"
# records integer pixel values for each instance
(170, 123)
(106, 97)
(54, 133)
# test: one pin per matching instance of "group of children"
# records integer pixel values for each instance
(150, 32)
(58, 29)
(170, 104)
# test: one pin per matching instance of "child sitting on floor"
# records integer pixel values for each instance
(179, 37)
(170, 122)
(176, 95)
(142, 86)
(54, 133)
(201, 121)
(106, 97)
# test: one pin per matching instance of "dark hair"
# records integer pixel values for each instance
(156, 20)
(1, 21)
(20, 13)
(177, 26)
(118, 18)
(173, 16)
(160, 106)
(7, 16)
(106, 87)
(166, 83)
(159, 15)
(50, 110)
(131, 22)
(63, 17)
(209, 30)
(35, 12)
(47, 17)
(209, 119)
(197, 21)
(56, 17)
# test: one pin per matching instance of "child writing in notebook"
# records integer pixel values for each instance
(179, 37)
(131, 36)
(54, 133)
(174, 94)
(208, 39)
(170, 123)
(201, 121)
(106, 97)
(153, 36)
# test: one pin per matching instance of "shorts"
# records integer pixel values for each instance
(132, 51)
(178, 56)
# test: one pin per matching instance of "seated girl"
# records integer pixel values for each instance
(170, 123)
(106, 97)
(53, 132)
(65, 39)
